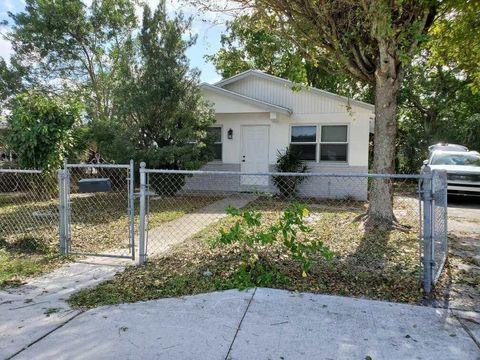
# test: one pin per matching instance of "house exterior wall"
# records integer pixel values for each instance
(280, 134)
(317, 186)
(279, 139)
(308, 108)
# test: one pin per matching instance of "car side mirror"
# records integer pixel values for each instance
(425, 162)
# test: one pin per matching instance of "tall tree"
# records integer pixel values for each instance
(66, 44)
(371, 40)
(159, 100)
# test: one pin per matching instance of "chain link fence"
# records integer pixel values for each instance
(190, 207)
(28, 212)
(96, 216)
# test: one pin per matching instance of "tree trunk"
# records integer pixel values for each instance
(380, 211)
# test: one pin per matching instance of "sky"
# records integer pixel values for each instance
(208, 28)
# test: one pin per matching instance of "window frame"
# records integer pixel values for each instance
(347, 142)
(316, 143)
(218, 142)
(319, 142)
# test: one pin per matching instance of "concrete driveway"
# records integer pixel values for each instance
(460, 288)
(258, 324)
(461, 284)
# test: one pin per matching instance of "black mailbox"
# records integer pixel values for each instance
(94, 185)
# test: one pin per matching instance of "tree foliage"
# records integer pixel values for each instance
(67, 44)
(133, 78)
(437, 105)
(41, 130)
(159, 98)
(249, 43)
(455, 42)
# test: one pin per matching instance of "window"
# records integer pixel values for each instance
(334, 143)
(215, 136)
(303, 139)
(331, 146)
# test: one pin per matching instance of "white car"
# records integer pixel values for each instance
(447, 147)
(463, 170)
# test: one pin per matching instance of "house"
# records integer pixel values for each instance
(258, 115)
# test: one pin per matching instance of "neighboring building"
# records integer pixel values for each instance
(258, 115)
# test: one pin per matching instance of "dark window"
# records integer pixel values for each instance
(301, 134)
(304, 140)
(306, 152)
(333, 152)
(215, 137)
(336, 133)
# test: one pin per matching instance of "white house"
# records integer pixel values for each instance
(258, 115)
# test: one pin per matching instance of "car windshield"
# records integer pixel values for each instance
(456, 159)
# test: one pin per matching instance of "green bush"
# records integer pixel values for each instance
(41, 130)
(289, 162)
(250, 235)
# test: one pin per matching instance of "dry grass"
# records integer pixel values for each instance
(377, 265)
(29, 237)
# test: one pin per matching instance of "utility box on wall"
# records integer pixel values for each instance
(94, 185)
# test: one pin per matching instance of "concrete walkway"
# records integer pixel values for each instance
(32, 311)
(258, 324)
(163, 237)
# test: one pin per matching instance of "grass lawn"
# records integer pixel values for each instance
(17, 266)
(377, 265)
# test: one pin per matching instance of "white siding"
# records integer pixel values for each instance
(224, 104)
(304, 101)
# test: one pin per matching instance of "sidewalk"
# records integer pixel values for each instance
(258, 324)
(30, 311)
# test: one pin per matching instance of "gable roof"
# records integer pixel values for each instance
(263, 75)
(247, 99)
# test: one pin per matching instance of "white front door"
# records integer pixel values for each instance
(254, 154)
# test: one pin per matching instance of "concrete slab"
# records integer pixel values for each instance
(285, 325)
(29, 312)
(470, 321)
(194, 327)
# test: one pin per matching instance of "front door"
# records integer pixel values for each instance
(254, 154)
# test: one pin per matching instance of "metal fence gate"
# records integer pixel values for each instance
(97, 210)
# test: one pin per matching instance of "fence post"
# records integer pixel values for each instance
(427, 196)
(141, 229)
(131, 208)
(62, 212)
